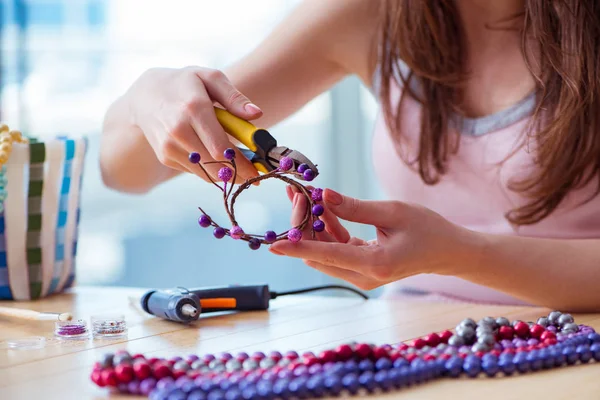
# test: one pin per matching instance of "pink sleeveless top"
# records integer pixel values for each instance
(474, 192)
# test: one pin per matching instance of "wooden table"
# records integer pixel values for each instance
(61, 370)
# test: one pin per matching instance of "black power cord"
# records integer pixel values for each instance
(274, 295)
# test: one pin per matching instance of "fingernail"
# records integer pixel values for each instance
(296, 197)
(275, 252)
(252, 108)
(333, 197)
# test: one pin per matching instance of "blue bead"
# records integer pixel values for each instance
(338, 369)
(490, 367)
(557, 356)
(547, 358)
(521, 363)
(350, 383)
(383, 363)
(401, 362)
(280, 388)
(407, 376)
(453, 367)
(472, 359)
(298, 389)
(216, 394)
(395, 378)
(508, 367)
(472, 370)
(571, 355)
(315, 386)
(208, 386)
(250, 394)
(489, 357)
(366, 365)
(226, 384)
(534, 361)
(593, 338)
(177, 394)
(584, 353)
(333, 385)
(595, 349)
(351, 366)
(159, 394)
(264, 389)
(233, 394)
(382, 380)
(367, 381)
(197, 394)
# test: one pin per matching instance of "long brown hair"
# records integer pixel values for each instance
(561, 44)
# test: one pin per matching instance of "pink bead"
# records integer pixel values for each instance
(344, 352)
(294, 235)
(445, 336)
(236, 232)
(433, 340)
(521, 329)
(419, 343)
(506, 332)
(363, 350)
(536, 331)
(141, 370)
(328, 356)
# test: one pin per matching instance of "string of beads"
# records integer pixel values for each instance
(491, 347)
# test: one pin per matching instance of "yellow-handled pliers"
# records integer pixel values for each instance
(262, 151)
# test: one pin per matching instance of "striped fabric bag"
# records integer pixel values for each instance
(40, 220)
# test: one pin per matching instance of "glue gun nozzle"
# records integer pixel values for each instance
(189, 310)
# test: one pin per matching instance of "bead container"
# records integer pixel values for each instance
(491, 347)
(109, 326)
(76, 330)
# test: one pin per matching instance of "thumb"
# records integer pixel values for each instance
(378, 213)
(220, 88)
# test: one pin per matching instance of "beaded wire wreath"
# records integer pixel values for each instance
(229, 173)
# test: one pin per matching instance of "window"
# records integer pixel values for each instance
(76, 57)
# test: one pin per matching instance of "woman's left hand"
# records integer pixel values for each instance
(410, 240)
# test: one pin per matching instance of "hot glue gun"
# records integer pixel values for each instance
(186, 305)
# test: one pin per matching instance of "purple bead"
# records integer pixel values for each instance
(318, 210)
(532, 342)
(225, 174)
(219, 232)
(551, 328)
(134, 387)
(302, 168)
(147, 385)
(254, 244)
(294, 235)
(316, 194)
(315, 368)
(229, 154)
(165, 383)
(208, 357)
(204, 221)
(275, 355)
(258, 355)
(192, 357)
(308, 175)
(286, 163)
(318, 226)
(182, 381)
(242, 355)
(236, 232)
(123, 388)
(506, 344)
(270, 236)
(194, 158)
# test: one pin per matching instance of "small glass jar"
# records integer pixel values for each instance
(27, 343)
(71, 330)
(110, 326)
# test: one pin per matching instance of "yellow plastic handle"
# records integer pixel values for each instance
(240, 129)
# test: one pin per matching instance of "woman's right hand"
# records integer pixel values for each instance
(174, 108)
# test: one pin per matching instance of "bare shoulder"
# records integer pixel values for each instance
(346, 32)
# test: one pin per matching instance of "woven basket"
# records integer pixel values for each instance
(40, 220)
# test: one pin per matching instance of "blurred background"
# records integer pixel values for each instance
(64, 61)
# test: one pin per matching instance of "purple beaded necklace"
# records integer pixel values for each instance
(490, 347)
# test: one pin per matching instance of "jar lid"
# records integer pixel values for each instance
(27, 343)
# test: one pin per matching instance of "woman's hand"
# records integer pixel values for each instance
(410, 240)
(174, 110)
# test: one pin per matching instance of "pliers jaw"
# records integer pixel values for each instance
(268, 154)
